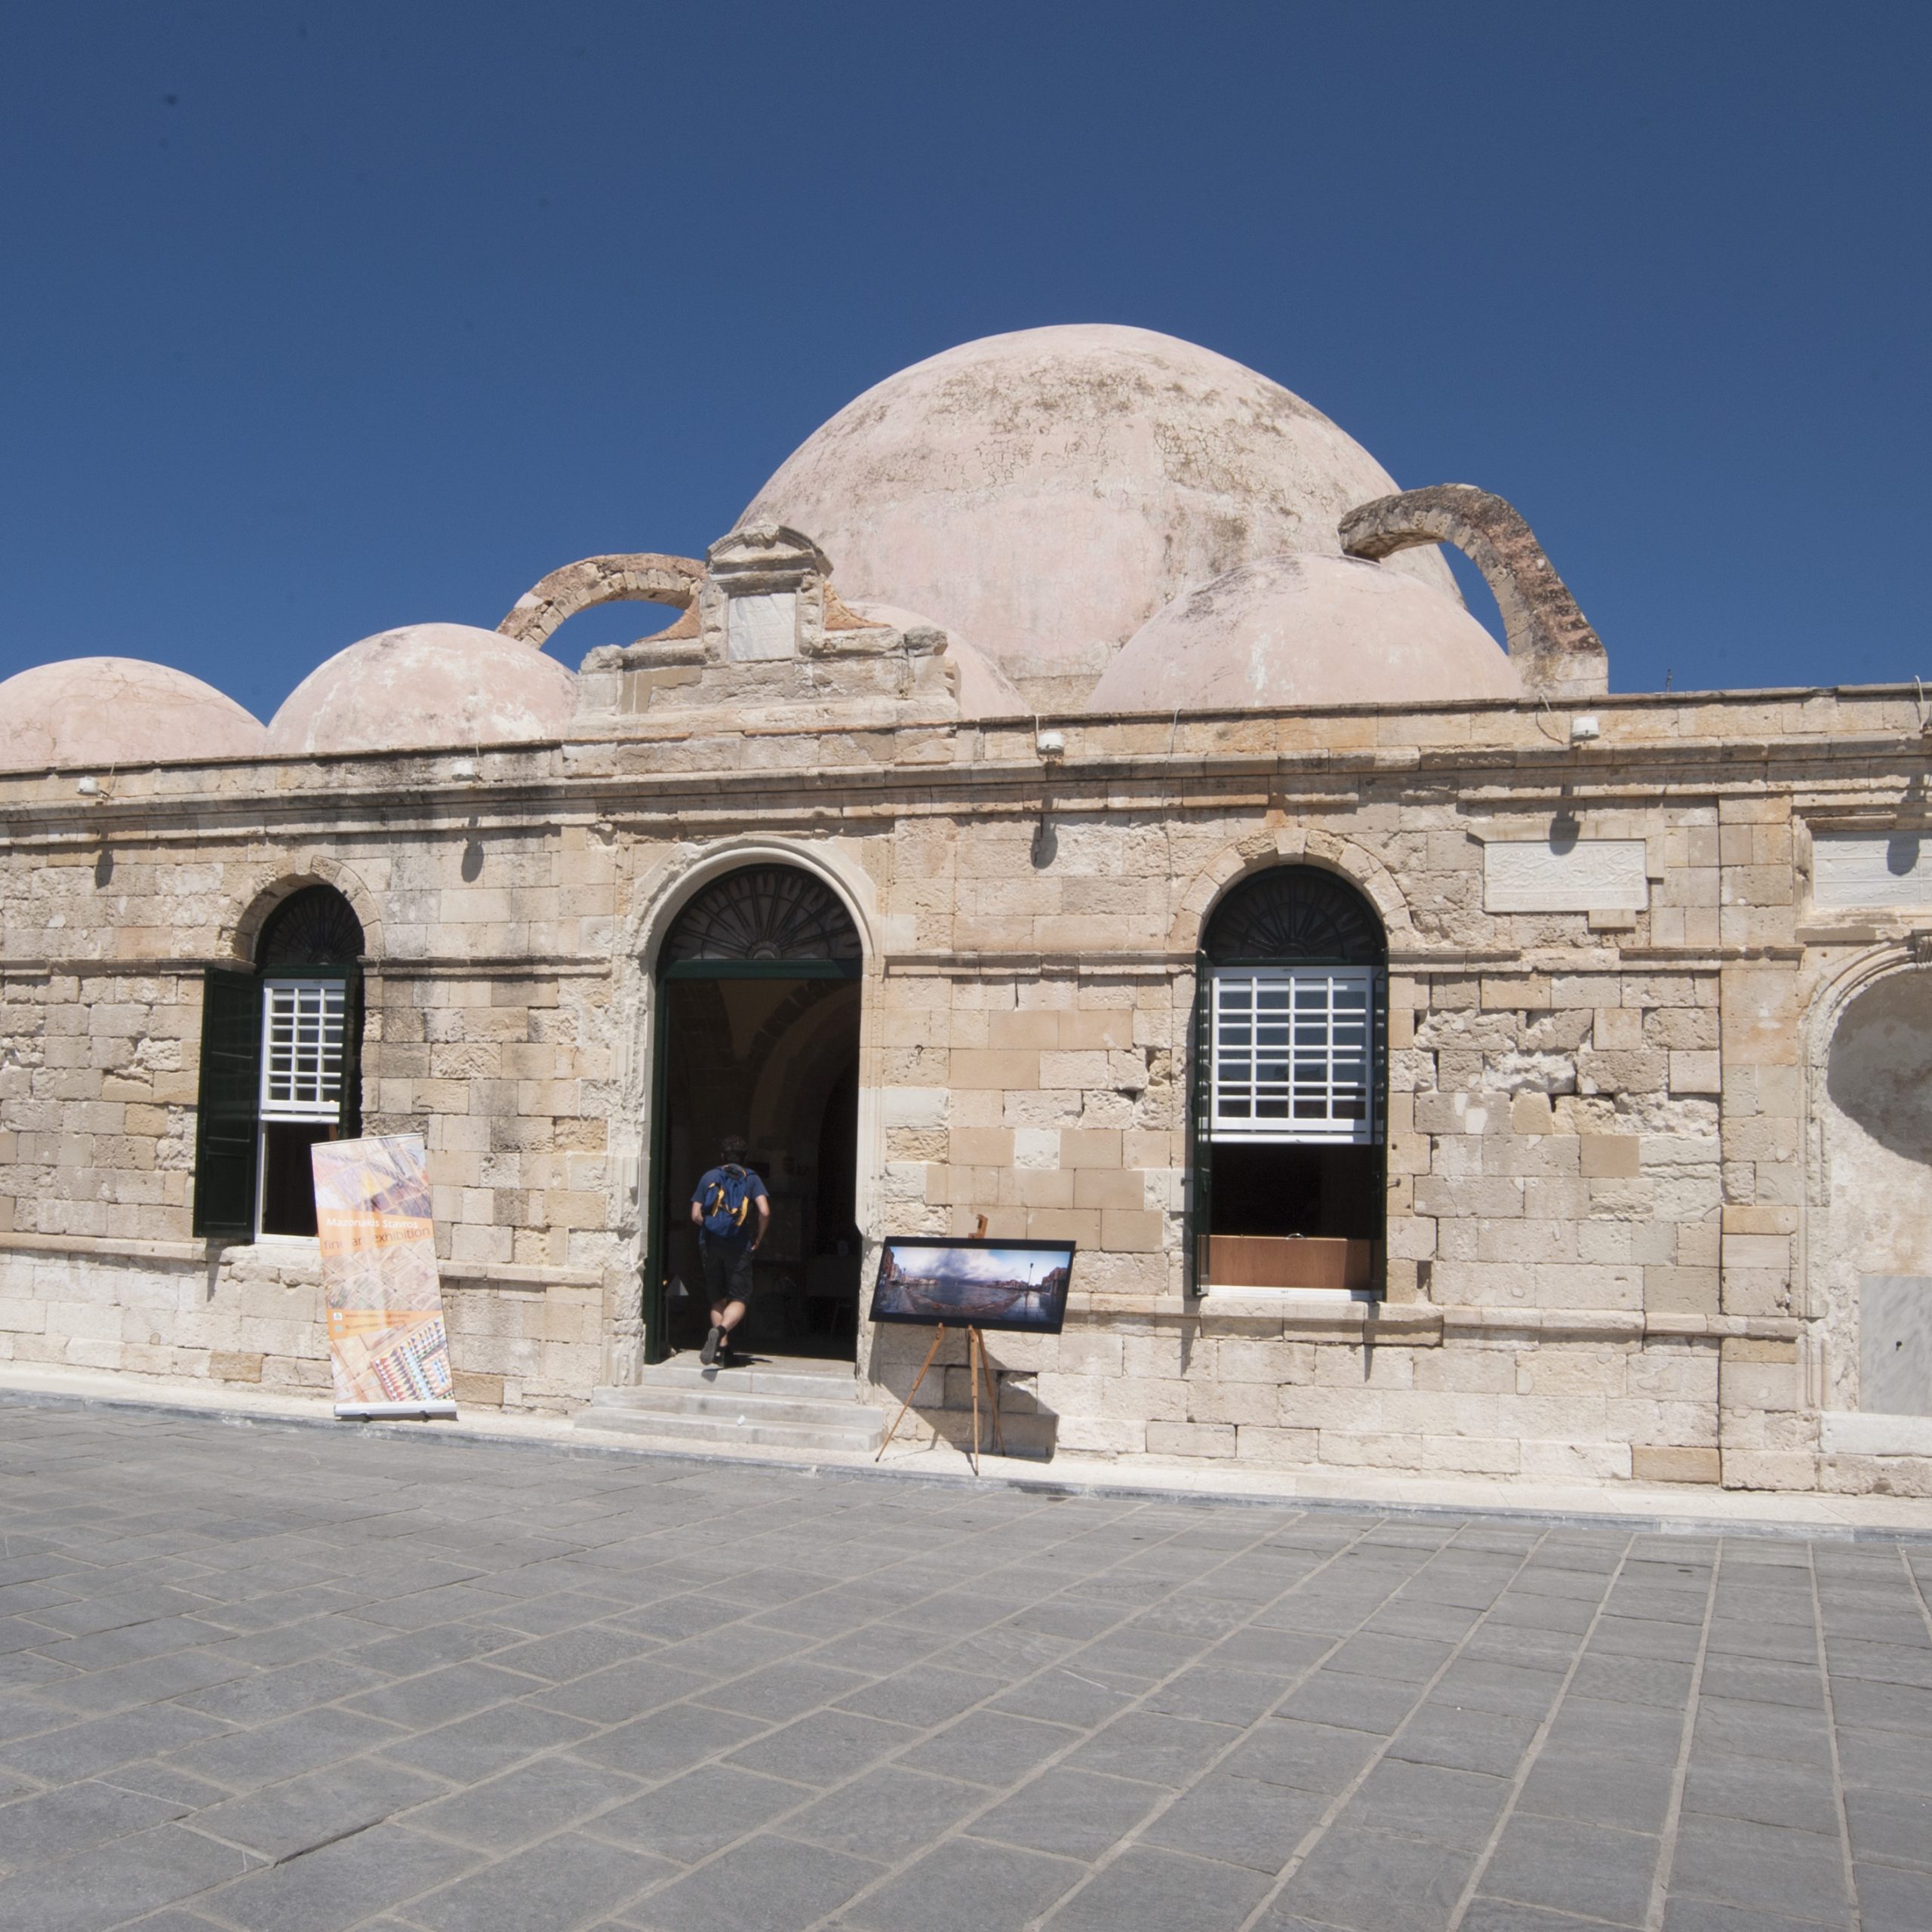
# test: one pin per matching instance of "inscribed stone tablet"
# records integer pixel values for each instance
(1584, 876)
(1851, 869)
(762, 627)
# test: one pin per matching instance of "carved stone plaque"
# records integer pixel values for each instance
(764, 626)
(1855, 869)
(1578, 876)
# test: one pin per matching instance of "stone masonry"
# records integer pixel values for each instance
(1599, 1117)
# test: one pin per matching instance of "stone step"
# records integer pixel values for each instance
(834, 1382)
(859, 1432)
(731, 1403)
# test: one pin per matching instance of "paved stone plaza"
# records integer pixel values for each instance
(289, 1680)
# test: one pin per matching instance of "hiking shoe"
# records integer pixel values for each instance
(708, 1354)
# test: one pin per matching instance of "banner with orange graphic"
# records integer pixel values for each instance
(388, 1348)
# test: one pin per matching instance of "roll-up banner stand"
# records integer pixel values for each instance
(388, 1348)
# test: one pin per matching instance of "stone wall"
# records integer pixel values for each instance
(1598, 1182)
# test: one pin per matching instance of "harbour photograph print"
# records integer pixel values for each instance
(1015, 1285)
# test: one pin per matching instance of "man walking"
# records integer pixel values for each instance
(730, 1198)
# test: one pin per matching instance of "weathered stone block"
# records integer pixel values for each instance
(1215, 1440)
(1652, 1463)
(1609, 1156)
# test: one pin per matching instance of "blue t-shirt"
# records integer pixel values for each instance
(754, 1191)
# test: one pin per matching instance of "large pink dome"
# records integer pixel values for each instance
(1044, 491)
(102, 712)
(1303, 630)
(423, 687)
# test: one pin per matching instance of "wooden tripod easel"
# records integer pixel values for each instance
(978, 1366)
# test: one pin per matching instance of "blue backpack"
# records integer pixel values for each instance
(727, 1202)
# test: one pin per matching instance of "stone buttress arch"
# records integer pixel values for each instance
(644, 577)
(1555, 651)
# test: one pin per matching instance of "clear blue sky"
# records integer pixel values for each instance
(320, 319)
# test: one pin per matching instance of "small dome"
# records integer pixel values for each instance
(1303, 630)
(422, 688)
(1044, 492)
(117, 711)
(984, 691)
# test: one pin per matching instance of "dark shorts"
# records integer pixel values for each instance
(728, 1271)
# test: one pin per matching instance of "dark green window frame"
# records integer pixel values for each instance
(1288, 915)
(228, 1125)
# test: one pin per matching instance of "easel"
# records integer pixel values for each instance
(978, 1366)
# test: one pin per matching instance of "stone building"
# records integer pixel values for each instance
(1074, 796)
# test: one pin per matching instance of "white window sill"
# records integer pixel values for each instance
(1326, 1297)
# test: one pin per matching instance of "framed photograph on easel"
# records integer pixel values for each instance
(1017, 1285)
(974, 1284)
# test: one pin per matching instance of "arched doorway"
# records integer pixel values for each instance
(1287, 1186)
(757, 1007)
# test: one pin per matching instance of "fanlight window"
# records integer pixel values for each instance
(1294, 913)
(775, 912)
(315, 927)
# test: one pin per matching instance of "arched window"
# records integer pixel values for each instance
(280, 1068)
(1287, 1102)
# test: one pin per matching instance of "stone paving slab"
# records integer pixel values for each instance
(287, 1680)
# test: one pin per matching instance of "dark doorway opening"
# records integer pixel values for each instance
(776, 1060)
(758, 1035)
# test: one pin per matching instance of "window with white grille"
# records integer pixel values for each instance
(303, 1025)
(1294, 1054)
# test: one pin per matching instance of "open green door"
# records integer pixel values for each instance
(1200, 1124)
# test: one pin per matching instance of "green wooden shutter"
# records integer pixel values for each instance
(225, 1125)
(348, 1119)
(1200, 1128)
(657, 1343)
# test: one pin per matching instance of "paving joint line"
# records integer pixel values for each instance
(1673, 1816)
(961, 1536)
(1319, 1829)
(1832, 1735)
(959, 1829)
(1534, 1750)
(811, 1794)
